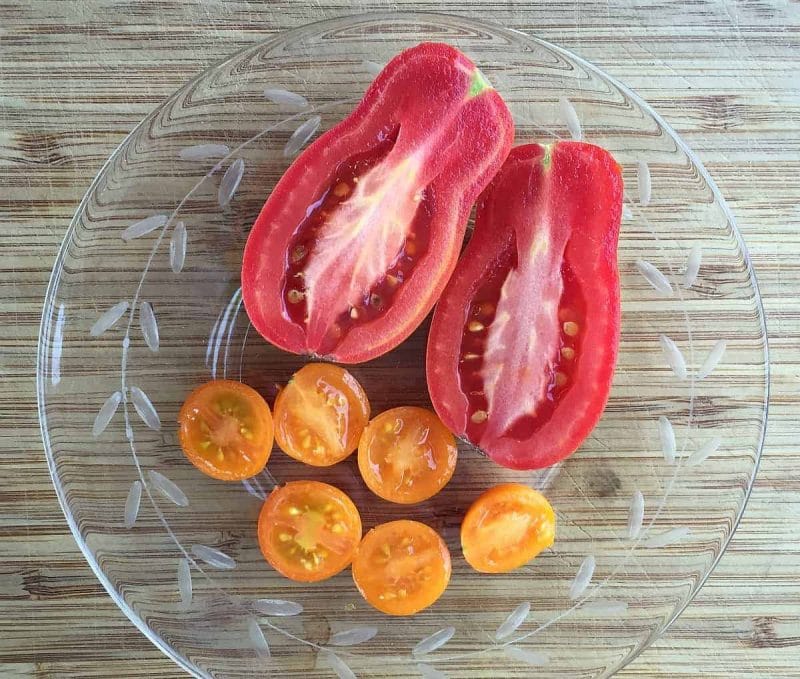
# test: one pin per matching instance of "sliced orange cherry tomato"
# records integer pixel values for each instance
(401, 567)
(406, 455)
(225, 430)
(308, 530)
(506, 527)
(320, 414)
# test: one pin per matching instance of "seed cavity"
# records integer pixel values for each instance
(571, 328)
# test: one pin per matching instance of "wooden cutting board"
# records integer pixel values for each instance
(76, 76)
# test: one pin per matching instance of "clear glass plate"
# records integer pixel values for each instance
(109, 392)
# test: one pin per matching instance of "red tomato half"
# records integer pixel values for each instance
(523, 342)
(359, 237)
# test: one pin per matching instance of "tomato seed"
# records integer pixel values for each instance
(375, 300)
(568, 353)
(284, 537)
(295, 296)
(561, 379)
(471, 357)
(353, 313)
(341, 190)
(571, 328)
(392, 280)
(298, 253)
(411, 249)
(475, 326)
(479, 416)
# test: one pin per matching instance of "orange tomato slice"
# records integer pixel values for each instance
(225, 430)
(406, 455)
(320, 414)
(506, 527)
(401, 567)
(308, 531)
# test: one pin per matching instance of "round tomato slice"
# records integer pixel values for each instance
(225, 430)
(358, 238)
(506, 527)
(523, 342)
(308, 531)
(320, 415)
(406, 455)
(401, 567)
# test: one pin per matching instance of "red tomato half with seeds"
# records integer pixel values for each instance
(523, 342)
(359, 237)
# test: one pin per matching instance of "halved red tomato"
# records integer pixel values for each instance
(523, 342)
(359, 237)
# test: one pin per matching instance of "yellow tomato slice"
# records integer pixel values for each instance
(225, 430)
(308, 530)
(506, 527)
(406, 455)
(320, 414)
(401, 567)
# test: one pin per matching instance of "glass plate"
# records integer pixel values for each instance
(130, 325)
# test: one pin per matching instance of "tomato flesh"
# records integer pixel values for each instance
(506, 527)
(308, 531)
(359, 236)
(320, 415)
(402, 567)
(406, 455)
(226, 430)
(519, 362)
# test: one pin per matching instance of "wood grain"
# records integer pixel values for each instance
(75, 77)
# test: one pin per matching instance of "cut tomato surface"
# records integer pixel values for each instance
(401, 567)
(359, 237)
(308, 530)
(506, 527)
(320, 414)
(406, 455)
(523, 342)
(225, 430)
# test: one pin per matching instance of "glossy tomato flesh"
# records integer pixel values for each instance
(506, 527)
(406, 455)
(308, 531)
(225, 430)
(402, 567)
(523, 342)
(358, 238)
(320, 414)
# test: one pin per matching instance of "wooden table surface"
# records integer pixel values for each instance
(77, 75)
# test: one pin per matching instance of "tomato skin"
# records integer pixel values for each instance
(482, 531)
(569, 194)
(320, 415)
(463, 132)
(312, 508)
(402, 567)
(406, 455)
(219, 408)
